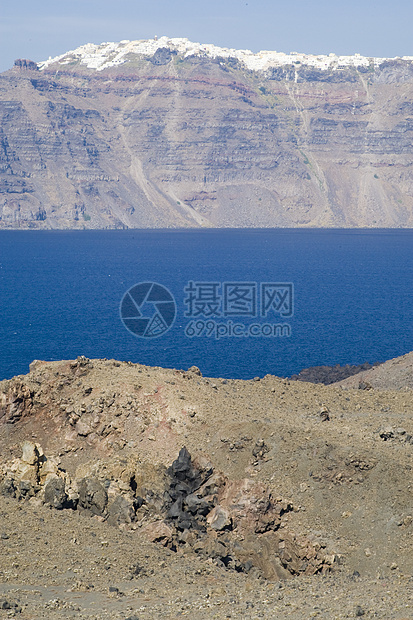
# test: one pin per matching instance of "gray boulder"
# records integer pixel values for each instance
(120, 511)
(92, 496)
(55, 494)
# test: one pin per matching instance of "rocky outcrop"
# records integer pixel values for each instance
(331, 374)
(277, 475)
(26, 476)
(237, 524)
(172, 138)
(25, 64)
(15, 401)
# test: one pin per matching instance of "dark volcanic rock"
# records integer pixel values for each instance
(184, 508)
(55, 494)
(331, 374)
(92, 496)
(24, 63)
(120, 511)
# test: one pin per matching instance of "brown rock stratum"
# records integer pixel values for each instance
(135, 492)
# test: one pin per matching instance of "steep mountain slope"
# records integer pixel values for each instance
(174, 134)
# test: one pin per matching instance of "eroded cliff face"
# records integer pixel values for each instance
(168, 140)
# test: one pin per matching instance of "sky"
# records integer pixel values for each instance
(37, 30)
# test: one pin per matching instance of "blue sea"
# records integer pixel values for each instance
(337, 296)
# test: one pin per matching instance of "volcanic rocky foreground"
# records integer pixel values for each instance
(128, 491)
(174, 134)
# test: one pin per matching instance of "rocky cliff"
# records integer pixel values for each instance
(166, 133)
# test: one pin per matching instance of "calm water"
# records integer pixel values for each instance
(60, 294)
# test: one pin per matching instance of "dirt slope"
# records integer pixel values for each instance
(300, 479)
(394, 374)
